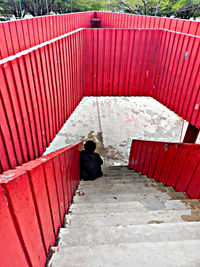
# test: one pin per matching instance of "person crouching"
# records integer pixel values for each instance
(90, 162)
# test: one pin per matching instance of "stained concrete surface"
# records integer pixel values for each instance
(112, 122)
(134, 230)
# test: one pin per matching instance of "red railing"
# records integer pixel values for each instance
(120, 61)
(40, 88)
(34, 199)
(16, 36)
(176, 165)
(145, 62)
(177, 75)
(22, 34)
(117, 20)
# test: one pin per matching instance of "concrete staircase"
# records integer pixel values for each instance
(125, 219)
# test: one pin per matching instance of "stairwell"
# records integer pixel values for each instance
(125, 219)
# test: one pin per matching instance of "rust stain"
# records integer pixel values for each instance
(155, 222)
(176, 195)
(192, 203)
(149, 185)
(162, 189)
(194, 217)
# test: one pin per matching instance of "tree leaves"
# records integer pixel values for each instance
(168, 8)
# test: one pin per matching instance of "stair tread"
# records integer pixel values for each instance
(105, 182)
(151, 254)
(125, 219)
(139, 217)
(129, 234)
(132, 206)
(111, 197)
(124, 189)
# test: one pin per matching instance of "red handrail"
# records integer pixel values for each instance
(34, 199)
(173, 164)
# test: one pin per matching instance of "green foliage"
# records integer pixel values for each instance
(176, 8)
(43, 7)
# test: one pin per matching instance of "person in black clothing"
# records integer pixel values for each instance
(90, 162)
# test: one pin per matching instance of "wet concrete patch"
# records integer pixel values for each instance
(194, 217)
(155, 222)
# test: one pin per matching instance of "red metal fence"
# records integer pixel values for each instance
(40, 88)
(177, 75)
(34, 199)
(117, 20)
(176, 165)
(143, 62)
(16, 36)
(120, 61)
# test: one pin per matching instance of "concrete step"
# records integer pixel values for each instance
(137, 218)
(117, 168)
(106, 207)
(132, 206)
(129, 234)
(122, 174)
(102, 184)
(151, 254)
(105, 181)
(114, 198)
(123, 189)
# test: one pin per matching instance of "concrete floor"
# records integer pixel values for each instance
(112, 122)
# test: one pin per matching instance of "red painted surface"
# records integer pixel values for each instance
(34, 104)
(22, 34)
(21, 205)
(34, 198)
(117, 20)
(175, 165)
(39, 191)
(11, 247)
(119, 62)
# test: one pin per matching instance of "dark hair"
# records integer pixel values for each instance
(90, 146)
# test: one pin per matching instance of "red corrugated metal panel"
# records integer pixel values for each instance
(137, 156)
(36, 89)
(52, 194)
(18, 35)
(119, 62)
(176, 84)
(40, 197)
(193, 189)
(175, 165)
(147, 158)
(59, 186)
(189, 168)
(10, 236)
(34, 198)
(179, 161)
(171, 151)
(133, 152)
(154, 160)
(22, 207)
(118, 20)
